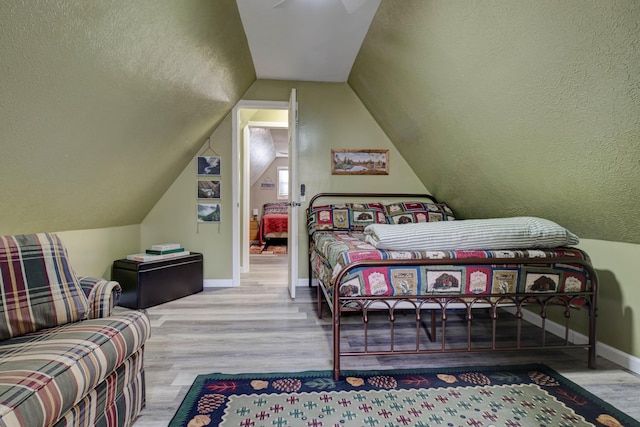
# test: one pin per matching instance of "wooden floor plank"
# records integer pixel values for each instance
(257, 328)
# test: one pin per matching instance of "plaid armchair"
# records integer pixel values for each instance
(66, 357)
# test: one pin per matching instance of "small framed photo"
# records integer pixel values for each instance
(208, 212)
(359, 162)
(208, 165)
(209, 189)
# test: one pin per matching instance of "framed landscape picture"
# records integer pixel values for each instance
(359, 162)
(208, 212)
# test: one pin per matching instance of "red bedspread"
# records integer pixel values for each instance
(272, 223)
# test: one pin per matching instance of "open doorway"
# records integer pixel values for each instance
(268, 153)
(242, 114)
(264, 199)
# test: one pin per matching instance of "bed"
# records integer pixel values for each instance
(274, 222)
(407, 256)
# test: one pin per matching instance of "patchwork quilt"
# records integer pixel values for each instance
(332, 251)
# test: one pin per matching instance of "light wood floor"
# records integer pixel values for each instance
(257, 328)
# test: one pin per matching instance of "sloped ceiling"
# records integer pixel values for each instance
(104, 102)
(261, 153)
(502, 108)
(510, 108)
(265, 145)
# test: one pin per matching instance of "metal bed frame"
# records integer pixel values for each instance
(446, 304)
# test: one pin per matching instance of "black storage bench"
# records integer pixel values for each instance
(145, 284)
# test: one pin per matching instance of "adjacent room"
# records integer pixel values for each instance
(258, 212)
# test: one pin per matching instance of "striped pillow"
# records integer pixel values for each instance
(471, 234)
(39, 288)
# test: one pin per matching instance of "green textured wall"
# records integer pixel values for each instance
(507, 107)
(104, 102)
(330, 116)
(618, 320)
(92, 252)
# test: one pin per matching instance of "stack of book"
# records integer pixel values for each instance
(159, 252)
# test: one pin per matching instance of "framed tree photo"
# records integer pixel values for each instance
(208, 212)
(359, 162)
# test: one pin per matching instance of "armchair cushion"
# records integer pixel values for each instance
(38, 287)
(102, 294)
(46, 373)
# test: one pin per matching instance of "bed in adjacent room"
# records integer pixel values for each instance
(407, 254)
(274, 222)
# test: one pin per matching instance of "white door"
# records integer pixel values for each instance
(293, 194)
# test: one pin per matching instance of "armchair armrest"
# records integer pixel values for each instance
(102, 294)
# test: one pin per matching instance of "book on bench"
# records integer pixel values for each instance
(164, 251)
(145, 257)
(165, 246)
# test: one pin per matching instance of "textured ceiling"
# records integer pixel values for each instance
(262, 151)
(104, 102)
(510, 108)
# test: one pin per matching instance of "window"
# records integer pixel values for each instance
(283, 182)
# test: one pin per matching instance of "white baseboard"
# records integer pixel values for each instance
(623, 359)
(305, 282)
(218, 283)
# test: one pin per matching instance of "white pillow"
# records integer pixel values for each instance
(471, 234)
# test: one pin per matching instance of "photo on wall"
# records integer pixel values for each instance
(208, 212)
(208, 165)
(209, 189)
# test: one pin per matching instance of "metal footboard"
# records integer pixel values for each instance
(440, 308)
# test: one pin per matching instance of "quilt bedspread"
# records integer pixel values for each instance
(332, 251)
(273, 223)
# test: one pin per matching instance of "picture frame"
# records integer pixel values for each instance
(359, 162)
(209, 189)
(209, 165)
(209, 212)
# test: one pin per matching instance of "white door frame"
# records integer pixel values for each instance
(292, 248)
(246, 187)
(239, 218)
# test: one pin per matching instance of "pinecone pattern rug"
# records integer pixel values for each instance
(513, 396)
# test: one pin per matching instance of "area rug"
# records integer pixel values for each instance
(270, 249)
(275, 249)
(256, 249)
(524, 395)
